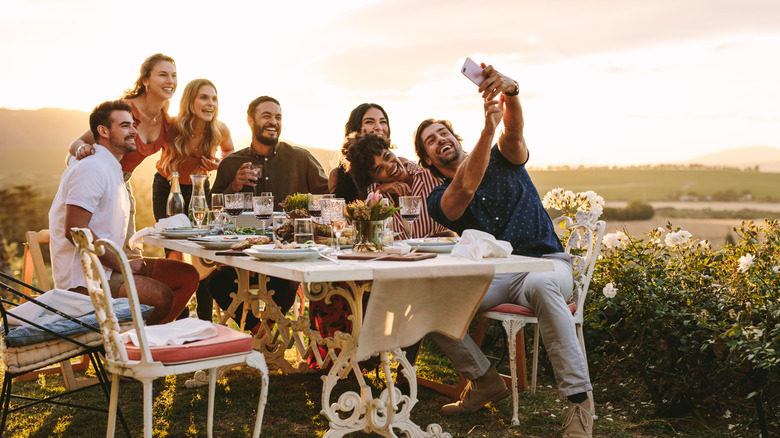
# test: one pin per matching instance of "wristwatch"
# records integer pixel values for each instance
(515, 92)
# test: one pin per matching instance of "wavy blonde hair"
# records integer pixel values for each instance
(183, 128)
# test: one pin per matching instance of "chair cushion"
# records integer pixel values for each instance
(516, 309)
(227, 341)
(19, 360)
(27, 334)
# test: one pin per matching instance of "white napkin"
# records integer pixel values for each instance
(179, 220)
(67, 302)
(475, 244)
(174, 333)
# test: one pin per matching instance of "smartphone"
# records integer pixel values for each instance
(473, 71)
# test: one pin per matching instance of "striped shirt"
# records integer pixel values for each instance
(423, 182)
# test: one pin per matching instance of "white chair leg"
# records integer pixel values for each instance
(212, 392)
(535, 365)
(512, 328)
(147, 408)
(257, 362)
(113, 402)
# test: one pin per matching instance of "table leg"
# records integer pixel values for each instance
(387, 414)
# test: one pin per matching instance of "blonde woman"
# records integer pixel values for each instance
(191, 144)
(149, 98)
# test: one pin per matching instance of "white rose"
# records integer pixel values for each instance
(609, 290)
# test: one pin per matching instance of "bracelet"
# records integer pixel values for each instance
(513, 93)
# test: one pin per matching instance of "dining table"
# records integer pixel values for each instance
(408, 299)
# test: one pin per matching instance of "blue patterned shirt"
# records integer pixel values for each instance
(506, 205)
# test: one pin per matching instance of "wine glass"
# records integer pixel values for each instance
(217, 202)
(247, 201)
(315, 204)
(263, 206)
(333, 208)
(199, 210)
(234, 205)
(410, 207)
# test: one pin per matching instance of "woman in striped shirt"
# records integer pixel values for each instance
(375, 167)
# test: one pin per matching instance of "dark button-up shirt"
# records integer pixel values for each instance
(506, 205)
(289, 169)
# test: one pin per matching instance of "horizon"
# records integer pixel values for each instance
(602, 82)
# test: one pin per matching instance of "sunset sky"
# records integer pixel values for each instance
(602, 81)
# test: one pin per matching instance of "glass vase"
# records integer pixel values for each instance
(367, 236)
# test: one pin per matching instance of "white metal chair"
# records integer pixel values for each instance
(145, 363)
(583, 242)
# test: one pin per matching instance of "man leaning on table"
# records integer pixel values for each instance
(92, 195)
(286, 170)
(490, 190)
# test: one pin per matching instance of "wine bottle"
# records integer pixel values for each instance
(175, 203)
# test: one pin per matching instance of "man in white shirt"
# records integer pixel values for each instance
(92, 195)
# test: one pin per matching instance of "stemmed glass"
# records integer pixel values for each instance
(199, 210)
(234, 205)
(263, 207)
(410, 207)
(315, 204)
(333, 209)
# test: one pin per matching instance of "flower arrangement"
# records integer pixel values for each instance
(372, 209)
(367, 217)
(570, 203)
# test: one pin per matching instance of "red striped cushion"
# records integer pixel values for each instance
(516, 309)
(227, 341)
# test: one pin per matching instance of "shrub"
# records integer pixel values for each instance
(692, 322)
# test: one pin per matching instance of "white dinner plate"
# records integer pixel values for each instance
(433, 244)
(270, 252)
(216, 242)
(180, 233)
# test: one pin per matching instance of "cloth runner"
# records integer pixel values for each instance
(475, 244)
(406, 305)
(67, 302)
(179, 220)
(174, 333)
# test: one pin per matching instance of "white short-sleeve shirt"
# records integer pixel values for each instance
(95, 184)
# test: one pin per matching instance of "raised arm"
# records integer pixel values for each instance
(511, 142)
(82, 147)
(470, 173)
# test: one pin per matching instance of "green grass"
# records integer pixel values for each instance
(293, 408)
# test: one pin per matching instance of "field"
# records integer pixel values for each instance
(646, 184)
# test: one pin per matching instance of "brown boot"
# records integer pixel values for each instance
(579, 420)
(478, 393)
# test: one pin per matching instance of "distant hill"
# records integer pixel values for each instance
(765, 157)
(34, 145)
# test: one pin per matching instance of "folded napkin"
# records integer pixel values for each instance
(174, 333)
(179, 220)
(406, 305)
(67, 302)
(475, 244)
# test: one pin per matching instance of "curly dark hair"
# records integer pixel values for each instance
(360, 152)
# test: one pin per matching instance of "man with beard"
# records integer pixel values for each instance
(285, 169)
(490, 190)
(92, 195)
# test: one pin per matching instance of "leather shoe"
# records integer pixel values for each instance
(579, 420)
(478, 393)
